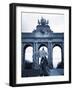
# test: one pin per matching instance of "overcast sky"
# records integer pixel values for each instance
(30, 21)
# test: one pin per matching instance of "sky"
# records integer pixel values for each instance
(30, 20)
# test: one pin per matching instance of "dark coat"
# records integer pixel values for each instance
(43, 66)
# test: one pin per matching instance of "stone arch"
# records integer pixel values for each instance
(60, 45)
(56, 56)
(29, 54)
(24, 49)
(40, 50)
(43, 44)
(57, 44)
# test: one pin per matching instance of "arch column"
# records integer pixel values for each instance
(61, 64)
(35, 56)
(23, 57)
(62, 53)
(22, 53)
(50, 63)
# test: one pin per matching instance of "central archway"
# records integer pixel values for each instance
(43, 47)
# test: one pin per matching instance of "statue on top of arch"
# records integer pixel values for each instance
(43, 21)
(43, 27)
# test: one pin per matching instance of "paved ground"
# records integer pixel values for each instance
(51, 72)
(54, 72)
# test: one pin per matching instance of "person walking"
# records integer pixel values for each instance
(43, 67)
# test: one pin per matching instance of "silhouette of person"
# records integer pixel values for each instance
(43, 65)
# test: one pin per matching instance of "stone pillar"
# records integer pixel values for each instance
(23, 53)
(62, 51)
(61, 64)
(35, 56)
(50, 63)
(22, 58)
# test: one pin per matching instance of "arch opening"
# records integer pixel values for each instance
(29, 54)
(43, 52)
(57, 56)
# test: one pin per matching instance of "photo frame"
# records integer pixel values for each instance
(40, 44)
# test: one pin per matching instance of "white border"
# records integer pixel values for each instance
(19, 79)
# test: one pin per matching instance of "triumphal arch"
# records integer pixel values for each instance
(43, 36)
